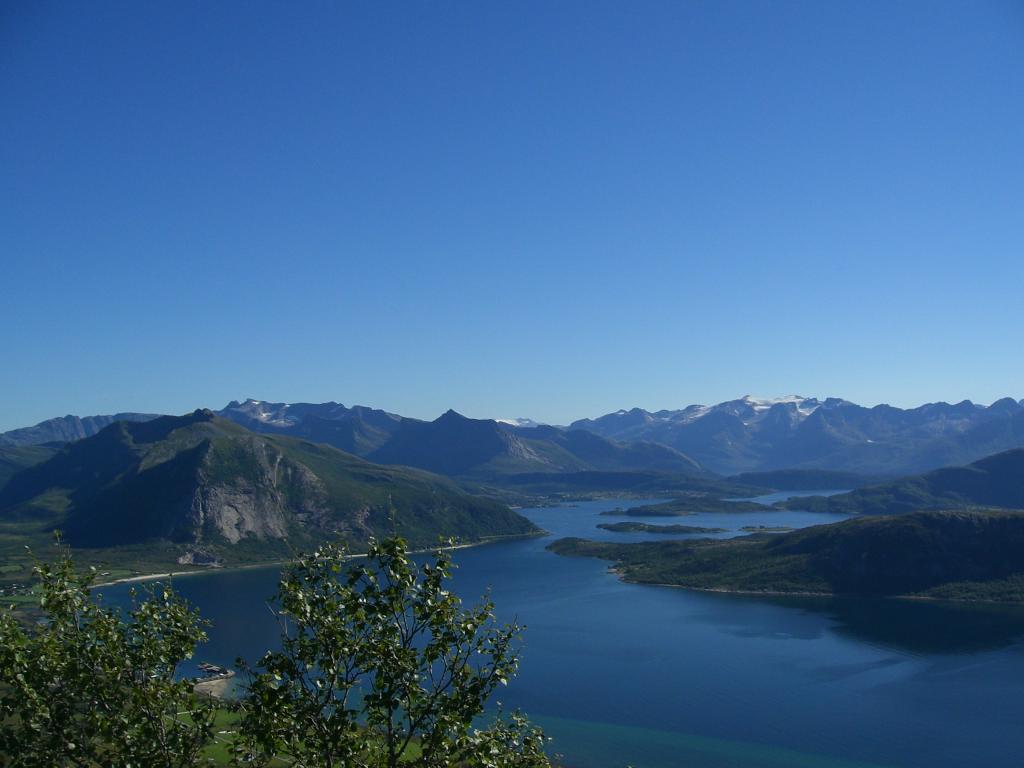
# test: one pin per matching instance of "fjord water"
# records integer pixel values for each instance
(657, 677)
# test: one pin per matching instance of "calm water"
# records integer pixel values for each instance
(657, 677)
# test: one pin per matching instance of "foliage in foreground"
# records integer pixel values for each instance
(380, 665)
(378, 657)
(87, 686)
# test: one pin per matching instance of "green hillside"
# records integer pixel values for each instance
(209, 490)
(958, 555)
(995, 481)
(15, 458)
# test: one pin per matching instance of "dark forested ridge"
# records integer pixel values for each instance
(963, 555)
(995, 481)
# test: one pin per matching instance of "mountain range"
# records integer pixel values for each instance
(485, 449)
(359, 430)
(752, 435)
(452, 444)
(214, 490)
(455, 445)
(256, 480)
(747, 436)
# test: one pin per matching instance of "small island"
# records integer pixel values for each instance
(689, 505)
(767, 528)
(631, 527)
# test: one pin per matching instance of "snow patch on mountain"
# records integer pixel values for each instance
(805, 406)
(272, 414)
(528, 423)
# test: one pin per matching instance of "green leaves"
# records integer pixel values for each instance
(87, 686)
(381, 665)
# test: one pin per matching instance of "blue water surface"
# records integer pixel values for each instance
(658, 677)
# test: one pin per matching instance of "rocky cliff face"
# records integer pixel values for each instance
(246, 506)
(265, 501)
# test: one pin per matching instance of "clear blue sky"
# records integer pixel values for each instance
(547, 209)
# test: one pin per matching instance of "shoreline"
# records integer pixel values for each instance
(143, 577)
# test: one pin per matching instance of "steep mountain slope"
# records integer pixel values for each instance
(455, 445)
(942, 554)
(484, 449)
(14, 459)
(210, 486)
(603, 454)
(751, 435)
(66, 429)
(995, 481)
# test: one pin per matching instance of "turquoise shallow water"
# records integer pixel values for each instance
(657, 677)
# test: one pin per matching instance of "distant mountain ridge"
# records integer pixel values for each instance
(359, 429)
(454, 444)
(66, 429)
(747, 435)
(485, 449)
(752, 435)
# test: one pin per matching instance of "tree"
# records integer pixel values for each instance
(381, 665)
(88, 686)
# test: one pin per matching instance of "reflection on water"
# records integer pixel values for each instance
(919, 626)
(910, 626)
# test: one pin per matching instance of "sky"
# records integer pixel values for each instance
(550, 210)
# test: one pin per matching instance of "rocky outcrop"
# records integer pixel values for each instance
(196, 556)
(259, 502)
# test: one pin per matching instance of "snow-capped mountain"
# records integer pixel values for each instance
(747, 434)
(751, 434)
